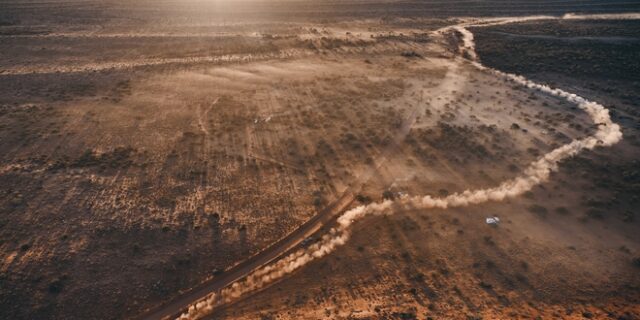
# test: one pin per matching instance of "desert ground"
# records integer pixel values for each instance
(154, 151)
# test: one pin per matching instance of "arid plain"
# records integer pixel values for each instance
(150, 149)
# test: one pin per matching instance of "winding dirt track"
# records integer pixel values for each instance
(174, 308)
(178, 306)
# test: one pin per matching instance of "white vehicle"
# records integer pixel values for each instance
(493, 221)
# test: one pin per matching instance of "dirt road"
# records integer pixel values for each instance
(175, 307)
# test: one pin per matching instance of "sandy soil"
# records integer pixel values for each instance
(143, 151)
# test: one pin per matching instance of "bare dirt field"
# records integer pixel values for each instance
(147, 149)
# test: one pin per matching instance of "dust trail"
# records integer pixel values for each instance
(612, 16)
(608, 133)
(487, 22)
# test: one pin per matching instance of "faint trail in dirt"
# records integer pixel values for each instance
(202, 117)
(108, 66)
(277, 162)
(141, 35)
(604, 39)
(202, 124)
(453, 82)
